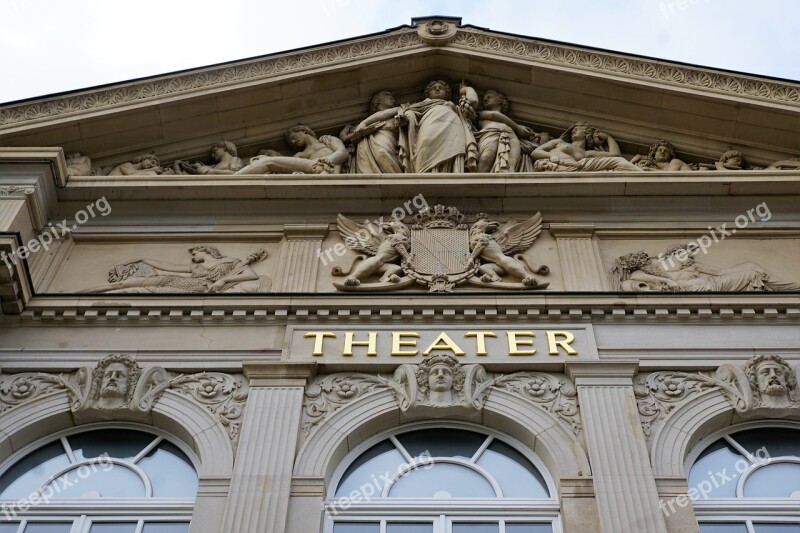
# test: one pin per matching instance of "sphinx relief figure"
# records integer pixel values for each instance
(226, 157)
(376, 138)
(663, 153)
(677, 270)
(499, 145)
(144, 165)
(208, 271)
(437, 135)
(581, 149)
(323, 155)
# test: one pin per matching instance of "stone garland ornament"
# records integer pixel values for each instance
(439, 250)
(119, 388)
(441, 386)
(765, 386)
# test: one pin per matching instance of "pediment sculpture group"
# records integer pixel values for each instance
(442, 133)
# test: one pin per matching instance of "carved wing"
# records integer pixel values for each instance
(360, 237)
(518, 237)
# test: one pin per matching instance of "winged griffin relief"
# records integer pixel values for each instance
(439, 250)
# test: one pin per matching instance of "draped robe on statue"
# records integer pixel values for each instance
(376, 153)
(437, 139)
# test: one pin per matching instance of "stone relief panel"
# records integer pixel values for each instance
(118, 268)
(442, 386)
(118, 388)
(440, 249)
(748, 265)
(765, 386)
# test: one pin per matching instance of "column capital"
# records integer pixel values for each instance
(604, 373)
(278, 373)
(305, 232)
(572, 231)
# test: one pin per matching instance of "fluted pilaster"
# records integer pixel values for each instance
(299, 261)
(579, 253)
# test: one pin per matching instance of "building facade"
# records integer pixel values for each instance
(434, 280)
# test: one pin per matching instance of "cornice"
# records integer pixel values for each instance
(334, 308)
(405, 38)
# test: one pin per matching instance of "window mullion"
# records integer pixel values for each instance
(482, 449)
(68, 450)
(147, 450)
(401, 449)
(740, 449)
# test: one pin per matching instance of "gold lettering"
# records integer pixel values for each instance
(515, 343)
(371, 343)
(480, 337)
(398, 342)
(553, 344)
(319, 336)
(444, 342)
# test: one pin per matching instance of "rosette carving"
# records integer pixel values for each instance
(553, 393)
(330, 393)
(222, 394)
(659, 393)
(16, 389)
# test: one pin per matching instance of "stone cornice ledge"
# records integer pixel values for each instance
(404, 307)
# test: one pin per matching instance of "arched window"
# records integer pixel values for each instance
(442, 480)
(746, 480)
(105, 480)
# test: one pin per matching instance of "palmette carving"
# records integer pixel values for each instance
(222, 394)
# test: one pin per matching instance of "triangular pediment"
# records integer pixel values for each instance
(549, 86)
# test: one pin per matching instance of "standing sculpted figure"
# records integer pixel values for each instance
(581, 149)
(677, 270)
(376, 137)
(226, 157)
(324, 155)
(663, 153)
(499, 136)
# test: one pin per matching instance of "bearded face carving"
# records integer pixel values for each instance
(113, 382)
(771, 380)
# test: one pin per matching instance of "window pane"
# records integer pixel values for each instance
(442, 481)
(442, 442)
(166, 527)
(476, 528)
(8, 528)
(723, 528)
(170, 471)
(408, 528)
(27, 475)
(528, 528)
(118, 443)
(114, 527)
(715, 459)
(778, 480)
(99, 481)
(778, 442)
(356, 527)
(777, 528)
(49, 527)
(517, 477)
(381, 460)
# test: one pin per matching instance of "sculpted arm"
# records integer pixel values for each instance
(613, 147)
(543, 151)
(522, 131)
(386, 114)
(340, 154)
(639, 275)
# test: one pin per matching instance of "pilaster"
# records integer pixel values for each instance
(581, 262)
(627, 498)
(262, 473)
(299, 263)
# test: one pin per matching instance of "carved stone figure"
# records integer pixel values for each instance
(144, 165)
(226, 157)
(785, 164)
(499, 136)
(677, 270)
(78, 165)
(440, 382)
(382, 249)
(645, 162)
(113, 382)
(209, 271)
(663, 153)
(437, 136)
(765, 386)
(494, 249)
(440, 252)
(376, 138)
(581, 149)
(324, 155)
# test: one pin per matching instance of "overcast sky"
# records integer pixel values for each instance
(50, 46)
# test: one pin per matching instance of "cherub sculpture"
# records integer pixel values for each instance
(381, 249)
(494, 248)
